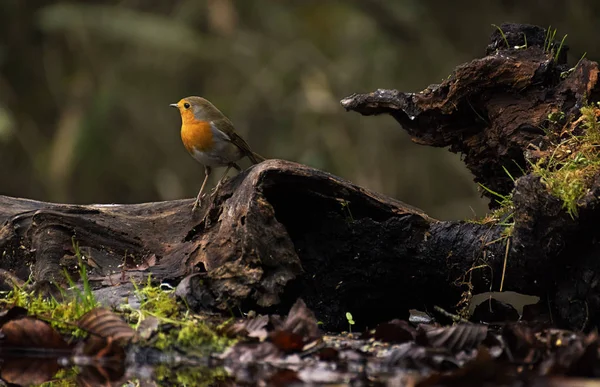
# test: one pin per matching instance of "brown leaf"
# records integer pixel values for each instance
(27, 371)
(39, 339)
(108, 335)
(302, 321)
(287, 341)
(454, 338)
(106, 324)
(254, 327)
(300, 327)
(32, 334)
(395, 331)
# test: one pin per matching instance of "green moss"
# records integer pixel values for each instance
(193, 336)
(190, 376)
(63, 378)
(569, 169)
(589, 116)
(156, 301)
(186, 331)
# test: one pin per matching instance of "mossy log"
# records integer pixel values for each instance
(281, 230)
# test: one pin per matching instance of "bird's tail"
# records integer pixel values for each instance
(255, 157)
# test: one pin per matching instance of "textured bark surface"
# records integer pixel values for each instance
(281, 230)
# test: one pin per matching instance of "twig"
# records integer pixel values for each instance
(453, 317)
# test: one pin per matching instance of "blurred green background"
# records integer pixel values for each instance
(85, 88)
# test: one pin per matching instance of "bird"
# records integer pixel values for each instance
(210, 138)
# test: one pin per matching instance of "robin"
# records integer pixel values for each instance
(211, 139)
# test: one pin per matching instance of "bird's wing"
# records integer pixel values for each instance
(224, 129)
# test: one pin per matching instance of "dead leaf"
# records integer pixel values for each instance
(31, 334)
(302, 321)
(287, 341)
(454, 338)
(106, 324)
(255, 328)
(299, 328)
(395, 331)
(27, 371)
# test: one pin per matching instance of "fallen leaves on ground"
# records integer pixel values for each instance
(277, 351)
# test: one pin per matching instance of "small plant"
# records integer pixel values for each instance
(565, 74)
(350, 321)
(556, 117)
(503, 215)
(549, 44)
(548, 41)
(504, 36)
(86, 300)
(505, 209)
(524, 44)
(506, 40)
(562, 41)
(346, 208)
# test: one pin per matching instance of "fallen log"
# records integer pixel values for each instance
(275, 232)
(281, 230)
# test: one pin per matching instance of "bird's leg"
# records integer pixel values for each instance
(224, 178)
(221, 180)
(199, 197)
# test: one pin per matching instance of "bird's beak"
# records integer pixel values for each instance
(174, 105)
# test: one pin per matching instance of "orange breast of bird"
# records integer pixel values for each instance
(197, 135)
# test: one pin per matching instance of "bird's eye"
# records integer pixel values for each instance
(186, 105)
